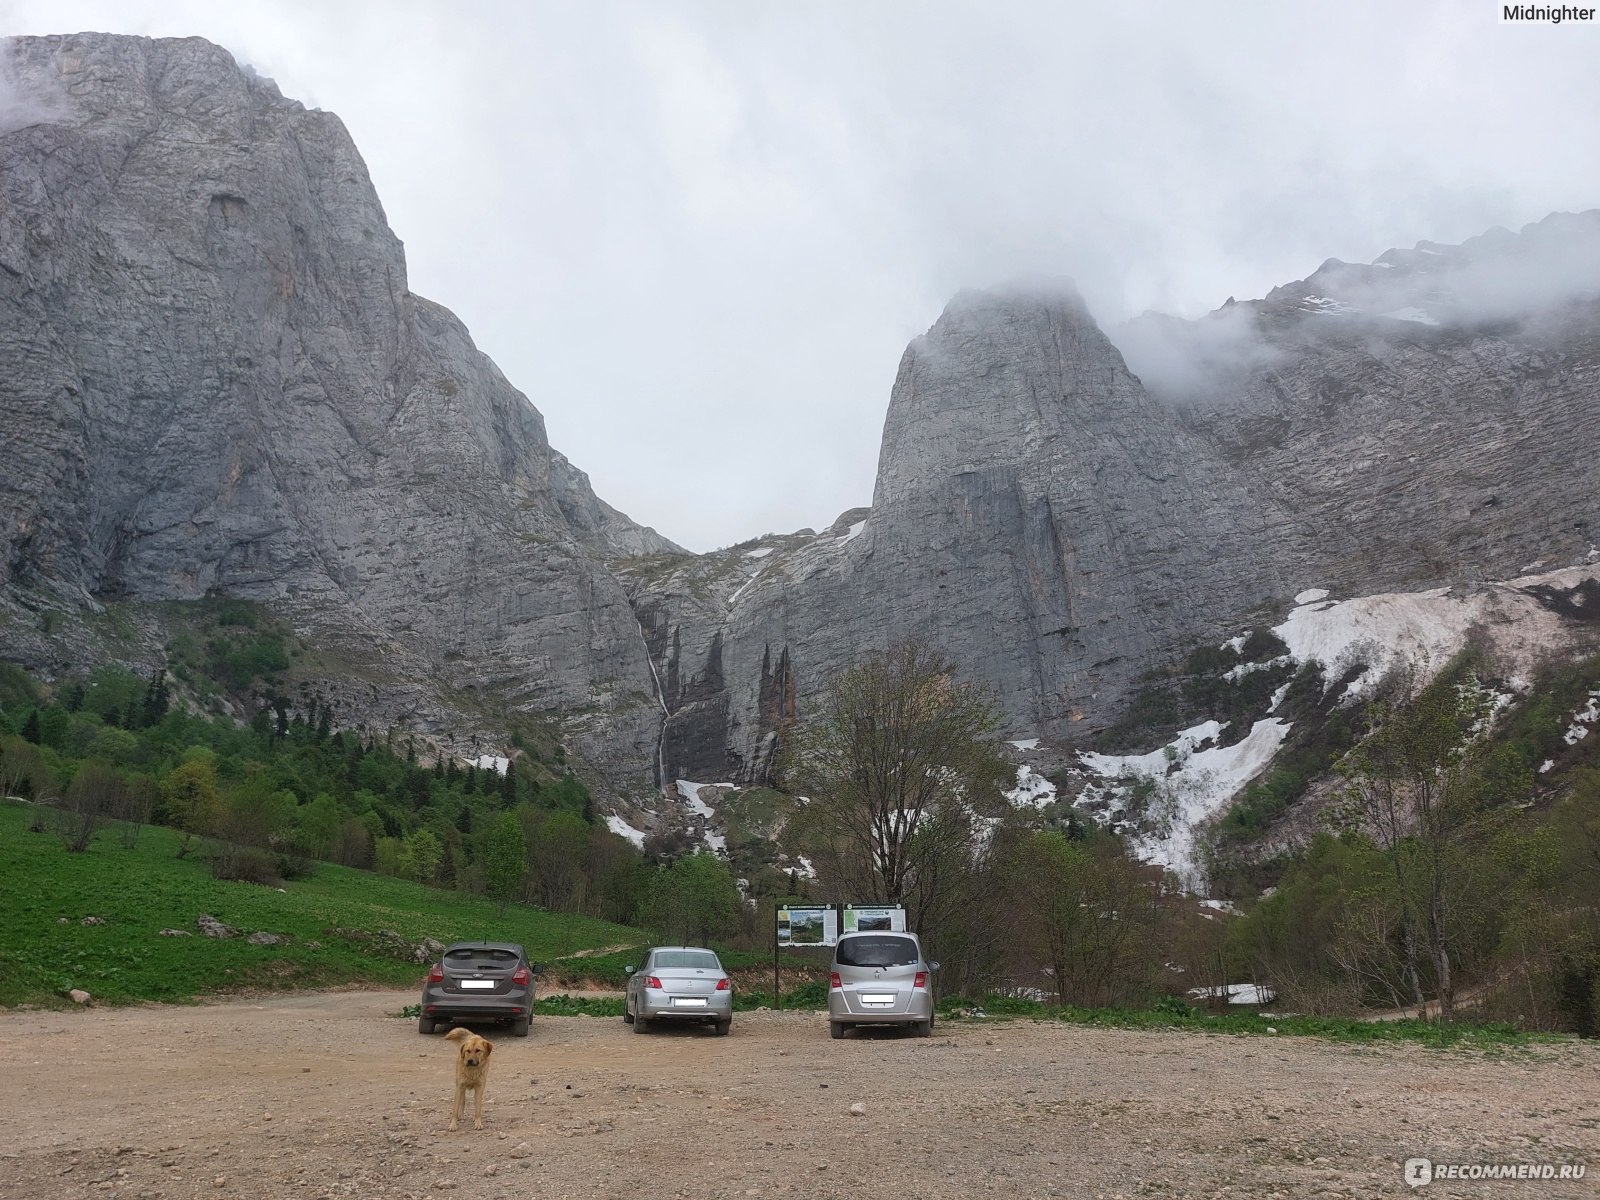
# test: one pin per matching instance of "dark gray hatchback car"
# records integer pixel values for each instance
(479, 981)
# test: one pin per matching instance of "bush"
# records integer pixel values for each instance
(246, 864)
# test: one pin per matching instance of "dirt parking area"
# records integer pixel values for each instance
(328, 1096)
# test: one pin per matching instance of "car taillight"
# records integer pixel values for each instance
(436, 973)
(921, 980)
(651, 981)
(834, 980)
(520, 976)
(722, 985)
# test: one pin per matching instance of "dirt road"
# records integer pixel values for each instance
(325, 1095)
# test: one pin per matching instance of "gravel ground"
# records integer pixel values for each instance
(326, 1095)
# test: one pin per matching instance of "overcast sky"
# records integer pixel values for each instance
(698, 236)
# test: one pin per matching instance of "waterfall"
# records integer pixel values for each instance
(661, 738)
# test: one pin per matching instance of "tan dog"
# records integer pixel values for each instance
(472, 1074)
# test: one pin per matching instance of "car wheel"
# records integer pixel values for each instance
(836, 1029)
(723, 1027)
(520, 1028)
(627, 1017)
(641, 1025)
(922, 1028)
(426, 1025)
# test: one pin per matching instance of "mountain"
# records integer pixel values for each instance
(216, 380)
(1061, 517)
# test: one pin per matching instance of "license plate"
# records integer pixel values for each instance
(686, 1002)
(477, 983)
(877, 999)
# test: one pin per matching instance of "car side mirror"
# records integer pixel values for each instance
(933, 966)
(536, 968)
(627, 970)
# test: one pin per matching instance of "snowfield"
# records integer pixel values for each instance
(690, 791)
(1193, 785)
(620, 827)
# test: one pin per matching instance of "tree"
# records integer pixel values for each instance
(1087, 915)
(95, 793)
(1417, 785)
(21, 766)
(557, 846)
(505, 860)
(898, 762)
(694, 901)
(317, 825)
(419, 856)
(192, 800)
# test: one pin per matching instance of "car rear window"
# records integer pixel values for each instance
(876, 952)
(494, 957)
(702, 959)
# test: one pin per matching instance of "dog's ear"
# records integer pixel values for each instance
(458, 1034)
(488, 1049)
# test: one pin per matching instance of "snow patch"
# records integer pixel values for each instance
(1192, 785)
(1250, 668)
(1323, 304)
(621, 828)
(690, 791)
(1027, 744)
(855, 532)
(1582, 719)
(1033, 790)
(1311, 596)
(1236, 644)
(761, 553)
(493, 762)
(1237, 993)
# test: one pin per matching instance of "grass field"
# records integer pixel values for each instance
(46, 951)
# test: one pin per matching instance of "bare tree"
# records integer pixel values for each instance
(898, 763)
(95, 794)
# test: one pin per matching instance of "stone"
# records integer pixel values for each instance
(176, 933)
(92, 921)
(214, 928)
(267, 939)
(858, 1109)
(79, 996)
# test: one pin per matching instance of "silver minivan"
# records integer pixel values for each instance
(880, 978)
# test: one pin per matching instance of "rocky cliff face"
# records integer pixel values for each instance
(217, 379)
(1058, 527)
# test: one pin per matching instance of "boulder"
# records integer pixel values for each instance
(214, 928)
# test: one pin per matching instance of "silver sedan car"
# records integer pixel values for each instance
(679, 983)
(880, 979)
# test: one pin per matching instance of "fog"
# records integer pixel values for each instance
(699, 235)
(1515, 282)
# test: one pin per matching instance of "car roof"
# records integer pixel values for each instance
(704, 949)
(483, 946)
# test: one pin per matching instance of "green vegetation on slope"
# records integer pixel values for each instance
(137, 891)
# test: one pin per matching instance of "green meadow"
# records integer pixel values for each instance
(46, 950)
